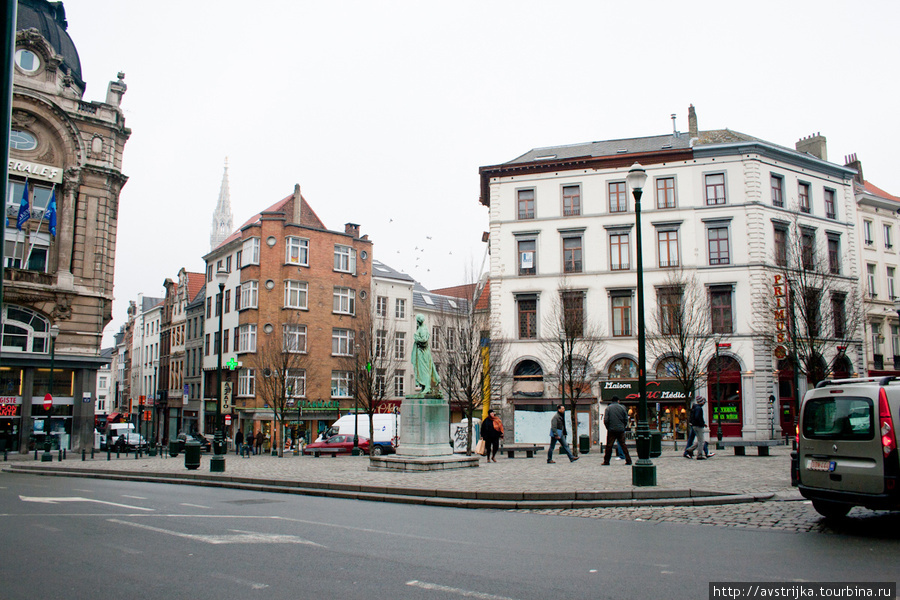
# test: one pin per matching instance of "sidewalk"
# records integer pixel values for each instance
(508, 483)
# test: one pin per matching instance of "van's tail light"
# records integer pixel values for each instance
(886, 424)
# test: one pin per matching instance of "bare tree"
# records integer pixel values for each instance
(814, 311)
(374, 358)
(466, 353)
(280, 363)
(681, 333)
(576, 348)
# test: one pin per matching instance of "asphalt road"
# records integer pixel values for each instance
(85, 538)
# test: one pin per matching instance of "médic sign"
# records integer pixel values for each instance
(658, 390)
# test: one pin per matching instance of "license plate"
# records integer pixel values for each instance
(821, 465)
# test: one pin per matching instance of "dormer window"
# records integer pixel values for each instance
(21, 140)
(27, 60)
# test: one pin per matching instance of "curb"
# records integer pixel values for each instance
(521, 500)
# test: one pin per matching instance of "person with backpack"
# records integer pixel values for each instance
(698, 424)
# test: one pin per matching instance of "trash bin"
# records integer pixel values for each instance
(655, 443)
(174, 446)
(192, 454)
(584, 443)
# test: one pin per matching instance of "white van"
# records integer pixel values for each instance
(114, 431)
(387, 427)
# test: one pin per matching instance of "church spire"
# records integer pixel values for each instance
(221, 223)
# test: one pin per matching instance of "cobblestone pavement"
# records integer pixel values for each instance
(724, 473)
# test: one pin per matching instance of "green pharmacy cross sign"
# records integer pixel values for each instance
(232, 364)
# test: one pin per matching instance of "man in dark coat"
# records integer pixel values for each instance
(616, 420)
(558, 434)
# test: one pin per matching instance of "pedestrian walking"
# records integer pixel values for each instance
(260, 438)
(690, 440)
(491, 432)
(698, 424)
(558, 434)
(616, 419)
(238, 442)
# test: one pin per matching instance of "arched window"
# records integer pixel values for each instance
(623, 368)
(528, 370)
(668, 368)
(24, 330)
(843, 368)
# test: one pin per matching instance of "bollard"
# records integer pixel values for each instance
(84, 455)
(64, 454)
(5, 455)
(117, 453)
(137, 452)
(108, 453)
(92, 453)
(59, 455)
(35, 452)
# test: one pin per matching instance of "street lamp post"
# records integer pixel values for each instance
(896, 308)
(48, 400)
(643, 473)
(217, 462)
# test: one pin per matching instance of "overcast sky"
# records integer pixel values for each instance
(383, 111)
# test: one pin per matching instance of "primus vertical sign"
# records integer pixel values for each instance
(779, 290)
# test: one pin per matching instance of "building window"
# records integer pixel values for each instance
(618, 199)
(721, 310)
(890, 282)
(341, 342)
(294, 338)
(830, 206)
(249, 294)
(381, 303)
(296, 383)
(344, 301)
(868, 233)
(295, 294)
(777, 190)
(803, 197)
(895, 342)
(808, 249)
(623, 368)
(250, 252)
(24, 330)
(715, 189)
(297, 251)
(888, 236)
(246, 383)
(571, 200)
(450, 340)
(834, 255)
(665, 192)
(399, 384)
(236, 338)
(526, 307)
(667, 248)
(838, 314)
(812, 299)
(525, 204)
(718, 246)
(400, 345)
(621, 314)
(380, 384)
(870, 271)
(380, 343)
(344, 259)
(237, 298)
(224, 338)
(669, 300)
(573, 314)
(247, 338)
(526, 262)
(340, 384)
(572, 254)
(780, 249)
(435, 337)
(619, 251)
(400, 308)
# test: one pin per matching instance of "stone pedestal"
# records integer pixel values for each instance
(425, 442)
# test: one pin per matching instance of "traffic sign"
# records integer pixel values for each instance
(48, 402)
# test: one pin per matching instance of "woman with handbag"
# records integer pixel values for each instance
(491, 432)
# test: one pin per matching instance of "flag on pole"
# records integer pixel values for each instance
(24, 212)
(51, 212)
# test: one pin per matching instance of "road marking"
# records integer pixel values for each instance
(193, 505)
(133, 497)
(434, 587)
(239, 537)
(43, 500)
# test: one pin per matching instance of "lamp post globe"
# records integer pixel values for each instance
(643, 472)
(217, 462)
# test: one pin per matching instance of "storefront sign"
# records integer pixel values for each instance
(35, 170)
(9, 410)
(779, 290)
(10, 400)
(661, 390)
(329, 405)
(727, 413)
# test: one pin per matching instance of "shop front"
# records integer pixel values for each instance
(725, 397)
(10, 422)
(667, 404)
(532, 416)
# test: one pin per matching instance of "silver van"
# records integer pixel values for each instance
(847, 445)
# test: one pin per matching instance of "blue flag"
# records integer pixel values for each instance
(51, 212)
(24, 212)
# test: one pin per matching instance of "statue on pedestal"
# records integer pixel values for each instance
(423, 365)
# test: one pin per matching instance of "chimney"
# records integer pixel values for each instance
(674, 127)
(692, 122)
(854, 163)
(298, 200)
(813, 145)
(351, 229)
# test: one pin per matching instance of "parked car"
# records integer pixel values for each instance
(205, 442)
(129, 440)
(847, 445)
(345, 444)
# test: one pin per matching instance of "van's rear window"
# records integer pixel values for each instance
(839, 418)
